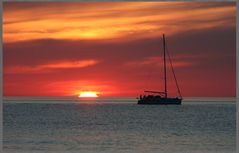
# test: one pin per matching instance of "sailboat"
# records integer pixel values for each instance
(161, 98)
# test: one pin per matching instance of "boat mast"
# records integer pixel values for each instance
(165, 71)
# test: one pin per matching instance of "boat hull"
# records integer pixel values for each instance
(160, 101)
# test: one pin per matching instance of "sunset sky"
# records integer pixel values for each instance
(115, 48)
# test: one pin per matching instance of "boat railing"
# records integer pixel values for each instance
(156, 92)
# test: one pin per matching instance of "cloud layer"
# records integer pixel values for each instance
(116, 48)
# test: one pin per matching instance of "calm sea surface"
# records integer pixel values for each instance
(113, 126)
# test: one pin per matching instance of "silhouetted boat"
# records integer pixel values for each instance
(161, 98)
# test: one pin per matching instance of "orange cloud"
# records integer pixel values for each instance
(119, 20)
(49, 66)
(156, 61)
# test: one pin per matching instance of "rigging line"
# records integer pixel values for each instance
(173, 71)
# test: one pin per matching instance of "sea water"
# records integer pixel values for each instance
(118, 125)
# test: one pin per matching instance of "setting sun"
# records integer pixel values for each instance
(88, 94)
